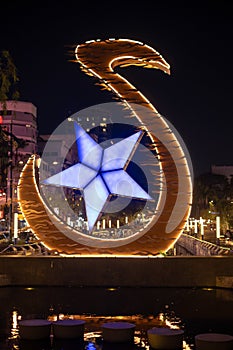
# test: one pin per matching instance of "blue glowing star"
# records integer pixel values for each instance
(100, 173)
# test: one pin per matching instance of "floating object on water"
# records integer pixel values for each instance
(213, 341)
(34, 329)
(165, 338)
(118, 332)
(68, 329)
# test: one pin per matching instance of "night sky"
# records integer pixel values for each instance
(196, 40)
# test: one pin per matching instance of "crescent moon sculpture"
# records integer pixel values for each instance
(99, 59)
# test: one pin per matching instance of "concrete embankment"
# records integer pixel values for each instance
(174, 271)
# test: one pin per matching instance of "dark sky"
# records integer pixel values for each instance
(195, 39)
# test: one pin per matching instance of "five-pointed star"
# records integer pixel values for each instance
(100, 173)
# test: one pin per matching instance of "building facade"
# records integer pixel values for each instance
(19, 124)
(20, 120)
(226, 170)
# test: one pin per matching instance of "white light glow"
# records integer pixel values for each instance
(97, 187)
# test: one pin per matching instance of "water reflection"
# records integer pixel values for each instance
(193, 310)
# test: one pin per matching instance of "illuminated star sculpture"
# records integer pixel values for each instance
(101, 173)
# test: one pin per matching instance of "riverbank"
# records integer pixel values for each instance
(173, 271)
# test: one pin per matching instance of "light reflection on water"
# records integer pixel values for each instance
(193, 310)
(93, 339)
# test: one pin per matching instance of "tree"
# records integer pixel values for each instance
(4, 150)
(8, 79)
(213, 195)
(8, 91)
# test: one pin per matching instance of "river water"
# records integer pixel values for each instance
(193, 310)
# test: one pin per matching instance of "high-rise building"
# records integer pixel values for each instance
(19, 123)
(19, 119)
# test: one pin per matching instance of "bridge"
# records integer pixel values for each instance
(190, 245)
